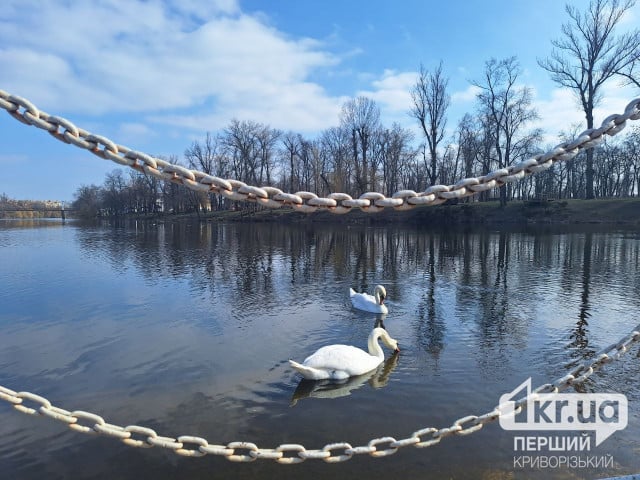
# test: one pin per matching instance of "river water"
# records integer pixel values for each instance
(187, 328)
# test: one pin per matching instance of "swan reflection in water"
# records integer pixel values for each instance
(377, 378)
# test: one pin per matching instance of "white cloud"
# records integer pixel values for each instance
(467, 95)
(162, 58)
(130, 132)
(207, 8)
(393, 90)
(197, 64)
(392, 93)
(629, 18)
(561, 112)
(301, 108)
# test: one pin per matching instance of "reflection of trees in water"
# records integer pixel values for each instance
(580, 334)
(431, 328)
(483, 275)
(365, 254)
(487, 295)
(497, 327)
(486, 284)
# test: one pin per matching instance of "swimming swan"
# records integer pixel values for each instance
(330, 389)
(338, 362)
(369, 303)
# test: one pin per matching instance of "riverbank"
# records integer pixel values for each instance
(550, 212)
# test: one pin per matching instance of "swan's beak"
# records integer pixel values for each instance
(397, 350)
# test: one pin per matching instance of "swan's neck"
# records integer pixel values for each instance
(374, 347)
(377, 295)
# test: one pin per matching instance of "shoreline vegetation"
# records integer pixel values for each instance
(534, 212)
(614, 211)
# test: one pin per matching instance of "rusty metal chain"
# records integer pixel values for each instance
(192, 446)
(26, 112)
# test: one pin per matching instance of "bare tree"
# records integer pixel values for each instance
(308, 159)
(241, 140)
(203, 155)
(449, 165)
(336, 145)
(208, 157)
(114, 192)
(396, 155)
(291, 150)
(467, 143)
(266, 138)
(590, 54)
(361, 117)
(632, 148)
(430, 103)
(176, 198)
(86, 201)
(143, 192)
(507, 109)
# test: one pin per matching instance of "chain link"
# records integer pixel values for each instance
(26, 112)
(307, 202)
(191, 446)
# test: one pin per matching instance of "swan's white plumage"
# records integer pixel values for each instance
(370, 303)
(338, 362)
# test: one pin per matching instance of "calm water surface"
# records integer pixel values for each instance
(186, 328)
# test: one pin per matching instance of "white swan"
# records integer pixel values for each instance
(370, 303)
(330, 389)
(337, 362)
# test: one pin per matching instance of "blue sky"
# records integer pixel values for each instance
(157, 75)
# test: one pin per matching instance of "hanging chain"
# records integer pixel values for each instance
(192, 446)
(26, 112)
